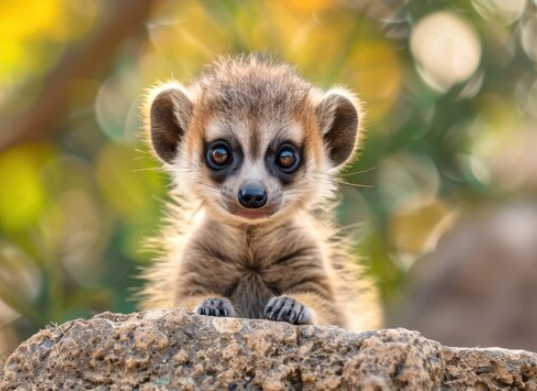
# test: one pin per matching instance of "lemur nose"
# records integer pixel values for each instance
(253, 196)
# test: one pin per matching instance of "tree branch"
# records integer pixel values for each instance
(83, 60)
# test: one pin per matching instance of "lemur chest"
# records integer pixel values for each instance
(250, 267)
(250, 293)
(256, 275)
(262, 273)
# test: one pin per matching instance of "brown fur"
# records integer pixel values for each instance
(210, 250)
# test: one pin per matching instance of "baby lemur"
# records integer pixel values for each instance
(252, 149)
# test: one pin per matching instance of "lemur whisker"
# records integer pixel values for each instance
(314, 216)
(346, 174)
(335, 181)
(154, 169)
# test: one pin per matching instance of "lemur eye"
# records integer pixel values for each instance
(218, 156)
(287, 158)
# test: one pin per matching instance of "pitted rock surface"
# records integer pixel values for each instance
(171, 350)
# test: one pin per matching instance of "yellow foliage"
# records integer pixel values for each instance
(414, 231)
(309, 5)
(184, 35)
(23, 18)
(314, 43)
(127, 183)
(374, 70)
(26, 24)
(22, 197)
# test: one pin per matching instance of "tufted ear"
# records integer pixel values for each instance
(169, 115)
(338, 118)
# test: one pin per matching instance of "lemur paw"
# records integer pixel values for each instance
(216, 307)
(286, 309)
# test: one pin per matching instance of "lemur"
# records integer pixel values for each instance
(252, 149)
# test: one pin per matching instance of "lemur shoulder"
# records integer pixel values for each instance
(252, 149)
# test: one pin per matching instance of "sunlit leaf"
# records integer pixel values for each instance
(304, 34)
(373, 70)
(447, 49)
(20, 280)
(415, 231)
(309, 5)
(25, 17)
(407, 181)
(22, 197)
(131, 186)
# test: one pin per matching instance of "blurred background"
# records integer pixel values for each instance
(447, 222)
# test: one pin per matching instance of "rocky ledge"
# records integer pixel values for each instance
(171, 350)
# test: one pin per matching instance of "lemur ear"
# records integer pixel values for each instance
(338, 117)
(169, 115)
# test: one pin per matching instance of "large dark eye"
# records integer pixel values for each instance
(218, 156)
(287, 158)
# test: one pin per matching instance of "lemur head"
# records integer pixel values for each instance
(251, 139)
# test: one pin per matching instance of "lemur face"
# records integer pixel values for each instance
(252, 141)
(259, 167)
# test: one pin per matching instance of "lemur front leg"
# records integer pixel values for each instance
(310, 301)
(197, 295)
(216, 307)
(206, 304)
(302, 309)
(287, 309)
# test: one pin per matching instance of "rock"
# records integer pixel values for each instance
(489, 369)
(171, 350)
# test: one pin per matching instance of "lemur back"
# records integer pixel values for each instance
(252, 149)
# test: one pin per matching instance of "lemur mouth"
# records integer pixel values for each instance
(252, 215)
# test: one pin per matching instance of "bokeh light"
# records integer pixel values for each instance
(446, 48)
(500, 11)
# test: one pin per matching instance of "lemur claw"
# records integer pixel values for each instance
(216, 307)
(286, 309)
